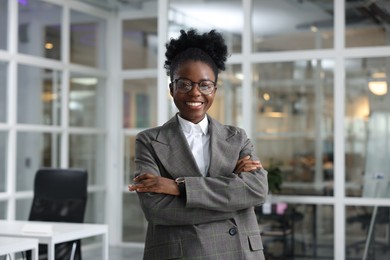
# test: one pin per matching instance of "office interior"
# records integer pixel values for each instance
(306, 79)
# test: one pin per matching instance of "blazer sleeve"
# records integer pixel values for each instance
(165, 209)
(228, 191)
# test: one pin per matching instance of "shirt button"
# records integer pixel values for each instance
(232, 231)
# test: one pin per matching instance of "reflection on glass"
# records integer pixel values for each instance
(53, 42)
(298, 230)
(292, 25)
(3, 23)
(86, 101)
(39, 29)
(294, 123)
(96, 208)
(134, 224)
(367, 127)
(3, 209)
(227, 102)
(95, 213)
(129, 165)
(38, 96)
(363, 240)
(3, 91)
(3, 161)
(23, 207)
(35, 150)
(139, 103)
(139, 43)
(225, 16)
(87, 152)
(367, 23)
(87, 38)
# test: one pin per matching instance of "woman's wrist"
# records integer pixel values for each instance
(181, 186)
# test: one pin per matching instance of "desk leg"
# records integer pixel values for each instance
(34, 254)
(50, 251)
(370, 231)
(105, 246)
(314, 223)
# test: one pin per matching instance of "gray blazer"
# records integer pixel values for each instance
(216, 219)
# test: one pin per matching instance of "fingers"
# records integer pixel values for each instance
(144, 176)
(143, 182)
(154, 183)
(245, 164)
(240, 164)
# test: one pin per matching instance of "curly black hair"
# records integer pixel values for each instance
(207, 47)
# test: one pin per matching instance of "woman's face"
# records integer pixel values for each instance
(193, 105)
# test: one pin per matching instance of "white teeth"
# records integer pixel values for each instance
(194, 104)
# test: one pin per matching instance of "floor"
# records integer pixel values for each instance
(135, 253)
(116, 253)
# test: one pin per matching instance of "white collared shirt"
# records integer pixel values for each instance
(198, 139)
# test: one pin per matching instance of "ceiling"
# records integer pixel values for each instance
(302, 14)
(118, 5)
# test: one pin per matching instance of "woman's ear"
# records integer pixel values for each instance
(171, 89)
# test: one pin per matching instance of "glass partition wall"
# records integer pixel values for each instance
(308, 80)
(284, 84)
(52, 99)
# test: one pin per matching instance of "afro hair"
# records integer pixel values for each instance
(207, 47)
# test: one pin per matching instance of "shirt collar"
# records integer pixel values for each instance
(188, 127)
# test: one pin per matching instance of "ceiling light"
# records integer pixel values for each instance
(275, 114)
(379, 75)
(378, 84)
(240, 76)
(378, 88)
(85, 81)
(49, 46)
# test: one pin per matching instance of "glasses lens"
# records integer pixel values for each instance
(206, 86)
(183, 85)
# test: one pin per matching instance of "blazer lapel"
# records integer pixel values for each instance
(174, 152)
(224, 153)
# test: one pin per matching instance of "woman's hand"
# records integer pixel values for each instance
(152, 183)
(245, 164)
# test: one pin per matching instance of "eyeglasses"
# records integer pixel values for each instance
(184, 85)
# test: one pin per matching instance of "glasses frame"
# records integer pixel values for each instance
(184, 91)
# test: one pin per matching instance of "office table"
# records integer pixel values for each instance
(60, 232)
(10, 245)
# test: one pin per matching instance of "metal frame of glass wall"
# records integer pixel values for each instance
(54, 120)
(118, 139)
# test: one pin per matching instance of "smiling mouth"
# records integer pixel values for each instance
(194, 104)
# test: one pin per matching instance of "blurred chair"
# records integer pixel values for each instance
(365, 219)
(376, 181)
(278, 228)
(60, 195)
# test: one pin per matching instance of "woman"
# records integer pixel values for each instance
(198, 180)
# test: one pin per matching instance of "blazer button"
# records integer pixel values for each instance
(232, 231)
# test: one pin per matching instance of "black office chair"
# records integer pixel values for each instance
(278, 229)
(382, 217)
(60, 195)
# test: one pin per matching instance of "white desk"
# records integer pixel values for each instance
(10, 245)
(61, 232)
